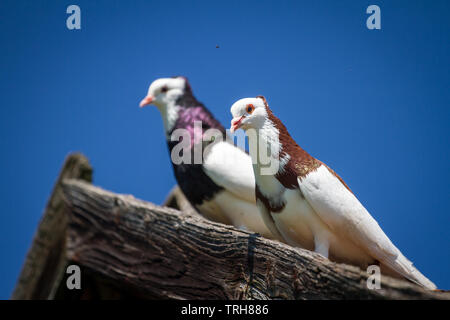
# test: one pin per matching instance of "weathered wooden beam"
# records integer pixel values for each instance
(177, 200)
(165, 253)
(46, 255)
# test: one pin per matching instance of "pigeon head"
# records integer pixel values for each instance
(165, 91)
(249, 113)
(178, 107)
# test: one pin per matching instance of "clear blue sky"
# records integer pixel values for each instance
(373, 104)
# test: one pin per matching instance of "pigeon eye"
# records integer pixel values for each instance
(164, 89)
(250, 108)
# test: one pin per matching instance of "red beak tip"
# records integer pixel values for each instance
(235, 124)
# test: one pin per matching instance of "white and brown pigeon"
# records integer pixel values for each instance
(221, 184)
(308, 204)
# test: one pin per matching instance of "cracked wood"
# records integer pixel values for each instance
(165, 253)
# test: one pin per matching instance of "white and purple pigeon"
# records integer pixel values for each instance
(221, 186)
(308, 205)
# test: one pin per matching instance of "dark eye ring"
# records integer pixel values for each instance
(164, 89)
(250, 108)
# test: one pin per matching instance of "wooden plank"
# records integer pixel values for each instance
(177, 200)
(46, 256)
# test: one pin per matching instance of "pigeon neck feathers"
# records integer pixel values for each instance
(294, 162)
(193, 181)
(188, 110)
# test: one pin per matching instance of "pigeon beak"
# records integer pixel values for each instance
(146, 101)
(235, 124)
